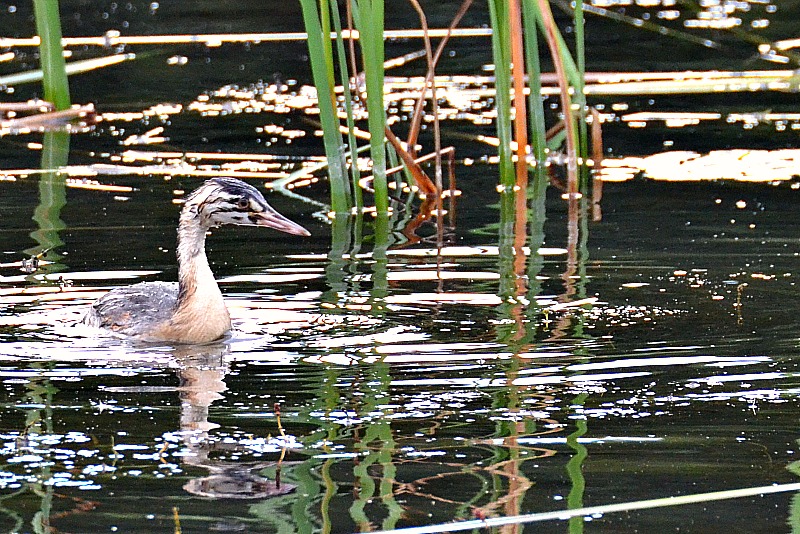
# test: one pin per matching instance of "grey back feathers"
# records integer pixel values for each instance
(133, 310)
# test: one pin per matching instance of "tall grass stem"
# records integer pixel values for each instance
(368, 16)
(520, 109)
(580, 96)
(562, 58)
(51, 52)
(501, 54)
(344, 75)
(326, 97)
(531, 15)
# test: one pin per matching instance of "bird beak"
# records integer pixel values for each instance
(272, 219)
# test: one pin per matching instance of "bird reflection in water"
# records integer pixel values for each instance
(202, 370)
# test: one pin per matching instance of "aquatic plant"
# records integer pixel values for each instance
(51, 52)
(319, 48)
(501, 53)
(368, 16)
(514, 42)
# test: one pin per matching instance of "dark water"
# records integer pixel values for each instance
(365, 393)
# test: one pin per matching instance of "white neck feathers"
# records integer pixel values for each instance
(200, 312)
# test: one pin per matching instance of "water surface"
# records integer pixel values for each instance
(653, 353)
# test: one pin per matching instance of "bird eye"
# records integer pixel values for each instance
(243, 203)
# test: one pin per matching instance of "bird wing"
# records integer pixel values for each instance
(135, 309)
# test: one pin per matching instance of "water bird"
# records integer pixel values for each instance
(191, 310)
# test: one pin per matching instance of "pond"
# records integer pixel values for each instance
(652, 352)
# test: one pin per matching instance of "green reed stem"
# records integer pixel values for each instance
(368, 17)
(321, 68)
(393, 160)
(48, 26)
(501, 54)
(344, 75)
(537, 213)
(325, 24)
(530, 15)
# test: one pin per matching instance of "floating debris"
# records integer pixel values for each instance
(77, 118)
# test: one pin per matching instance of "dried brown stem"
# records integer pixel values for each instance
(50, 121)
(597, 157)
(520, 110)
(420, 178)
(30, 105)
(437, 141)
(566, 100)
(416, 117)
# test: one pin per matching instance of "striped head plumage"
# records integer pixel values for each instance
(221, 201)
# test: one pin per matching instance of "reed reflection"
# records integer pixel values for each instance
(386, 470)
(519, 287)
(52, 198)
(520, 318)
(36, 505)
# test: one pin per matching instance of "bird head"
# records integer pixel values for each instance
(221, 201)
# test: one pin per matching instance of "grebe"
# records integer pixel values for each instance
(191, 310)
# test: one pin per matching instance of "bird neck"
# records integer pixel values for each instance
(200, 315)
(196, 283)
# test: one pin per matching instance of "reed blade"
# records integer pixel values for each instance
(520, 109)
(579, 98)
(51, 52)
(324, 82)
(368, 16)
(501, 54)
(345, 75)
(531, 15)
(563, 65)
